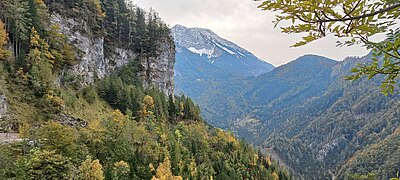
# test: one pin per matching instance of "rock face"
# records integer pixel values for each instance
(157, 71)
(3, 106)
(71, 121)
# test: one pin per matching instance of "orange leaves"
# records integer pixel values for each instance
(3, 41)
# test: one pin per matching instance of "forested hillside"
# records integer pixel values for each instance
(340, 126)
(321, 125)
(307, 114)
(86, 85)
(208, 68)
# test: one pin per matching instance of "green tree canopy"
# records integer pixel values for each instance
(355, 21)
(48, 165)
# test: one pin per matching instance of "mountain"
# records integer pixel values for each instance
(303, 113)
(208, 67)
(86, 92)
(319, 124)
(198, 44)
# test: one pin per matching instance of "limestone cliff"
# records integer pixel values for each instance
(3, 106)
(155, 72)
(159, 71)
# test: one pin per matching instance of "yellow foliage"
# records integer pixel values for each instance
(24, 129)
(91, 170)
(228, 137)
(275, 176)
(85, 168)
(121, 164)
(3, 35)
(97, 170)
(97, 5)
(163, 137)
(54, 99)
(119, 118)
(178, 134)
(55, 136)
(268, 158)
(3, 41)
(164, 172)
(148, 101)
(39, 2)
(181, 108)
(35, 38)
(147, 107)
(94, 132)
(117, 124)
(121, 169)
(39, 49)
(254, 160)
(22, 75)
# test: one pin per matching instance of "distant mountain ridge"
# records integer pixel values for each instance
(208, 66)
(229, 58)
(321, 125)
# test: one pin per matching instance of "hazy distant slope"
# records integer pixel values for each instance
(209, 68)
(318, 122)
(321, 125)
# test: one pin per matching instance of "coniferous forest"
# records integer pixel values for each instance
(113, 128)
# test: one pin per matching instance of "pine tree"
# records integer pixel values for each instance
(140, 37)
(38, 16)
(17, 23)
(172, 110)
(176, 162)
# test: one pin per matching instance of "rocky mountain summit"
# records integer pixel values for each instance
(205, 45)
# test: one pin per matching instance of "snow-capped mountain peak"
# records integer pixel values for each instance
(199, 45)
(205, 42)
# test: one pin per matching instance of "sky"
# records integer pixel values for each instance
(241, 22)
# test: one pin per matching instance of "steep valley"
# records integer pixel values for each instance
(319, 124)
(87, 92)
(103, 89)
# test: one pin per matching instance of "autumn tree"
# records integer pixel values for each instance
(60, 48)
(164, 172)
(116, 126)
(90, 170)
(62, 139)
(369, 176)
(40, 62)
(146, 111)
(121, 170)
(48, 165)
(354, 21)
(3, 41)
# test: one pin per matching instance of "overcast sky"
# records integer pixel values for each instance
(242, 23)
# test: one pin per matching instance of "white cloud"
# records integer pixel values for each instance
(243, 23)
